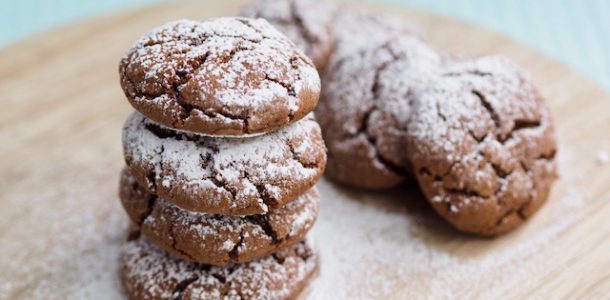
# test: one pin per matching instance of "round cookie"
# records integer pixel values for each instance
(481, 143)
(229, 176)
(224, 76)
(150, 273)
(306, 22)
(365, 106)
(216, 239)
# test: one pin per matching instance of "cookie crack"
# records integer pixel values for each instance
(150, 206)
(296, 157)
(300, 24)
(521, 124)
(264, 223)
(279, 259)
(469, 72)
(487, 105)
(474, 136)
(289, 87)
(363, 128)
(547, 156)
(499, 171)
(174, 244)
(221, 183)
(464, 192)
(178, 292)
(518, 212)
(439, 113)
(234, 253)
(262, 191)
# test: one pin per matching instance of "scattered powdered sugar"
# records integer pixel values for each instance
(393, 246)
(66, 239)
(64, 235)
(275, 277)
(602, 158)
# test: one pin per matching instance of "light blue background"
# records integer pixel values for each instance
(576, 32)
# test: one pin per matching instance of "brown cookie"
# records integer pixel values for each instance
(225, 76)
(365, 106)
(229, 176)
(358, 30)
(216, 239)
(306, 22)
(150, 273)
(482, 146)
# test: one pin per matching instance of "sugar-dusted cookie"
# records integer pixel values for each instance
(230, 176)
(360, 30)
(365, 107)
(481, 144)
(224, 76)
(306, 22)
(216, 239)
(150, 273)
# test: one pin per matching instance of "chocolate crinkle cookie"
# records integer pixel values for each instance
(474, 132)
(365, 107)
(223, 175)
(224, 76)
(482, 145)
(150, 273)
(306, 22)
(216, 239)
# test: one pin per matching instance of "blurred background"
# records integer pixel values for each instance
(574, 32)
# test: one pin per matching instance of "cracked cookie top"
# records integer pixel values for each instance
(223, 175)
(306, 22)
(358, 30)
(365, 106)
(150, 273)
(224, 76)
(216, 239)
(482, 146)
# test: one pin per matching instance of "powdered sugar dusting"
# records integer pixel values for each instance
(357, 30)
(367, 96)
(371, 245)
(154, 274)
(64, 235)
(602, 158)
(305, 22)
(404, 251)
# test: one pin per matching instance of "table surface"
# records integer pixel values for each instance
(574, 32)
(61, 224)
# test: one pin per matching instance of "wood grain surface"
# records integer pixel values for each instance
(60, 126)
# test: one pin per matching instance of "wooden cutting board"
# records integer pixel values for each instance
(61, 224)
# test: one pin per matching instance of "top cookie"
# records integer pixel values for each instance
(225, 76)
(306, 22)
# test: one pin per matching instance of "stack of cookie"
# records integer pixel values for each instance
(222, 157)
